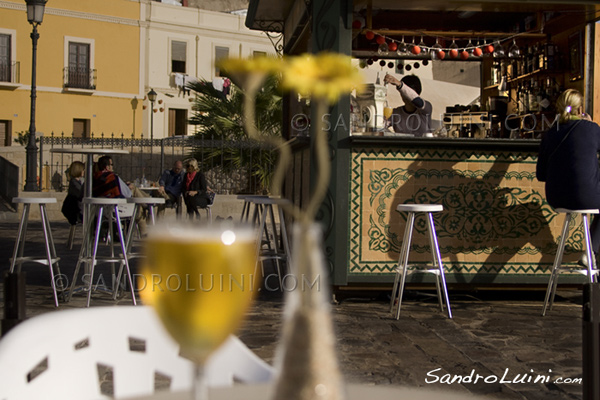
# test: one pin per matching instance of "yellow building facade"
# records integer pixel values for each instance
(89, 77)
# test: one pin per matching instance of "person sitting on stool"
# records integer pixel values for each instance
(568, 162)
(106, 183)
(195, 189)
(72, 208)
(170, 184)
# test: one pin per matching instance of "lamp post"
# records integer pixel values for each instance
(152, 97)
(35, 15)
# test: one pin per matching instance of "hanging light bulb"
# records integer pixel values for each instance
(423, 46)
(498, 50)
(453, 49)
(477, 51)
(414, 48)
(393, 46)
(514, 51)
(488, 48)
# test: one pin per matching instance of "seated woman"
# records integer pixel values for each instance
(72, 208)
(568, 161)
(195, 189)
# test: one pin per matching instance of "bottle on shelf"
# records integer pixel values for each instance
(532, 105)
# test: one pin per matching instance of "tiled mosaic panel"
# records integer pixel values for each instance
(495, 220)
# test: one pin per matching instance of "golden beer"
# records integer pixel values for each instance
(387, 112)
(200, 283)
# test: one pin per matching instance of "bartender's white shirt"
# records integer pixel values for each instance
(417, 123)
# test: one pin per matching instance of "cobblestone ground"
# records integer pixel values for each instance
(498, 336)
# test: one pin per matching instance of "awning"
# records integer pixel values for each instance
(440, 15)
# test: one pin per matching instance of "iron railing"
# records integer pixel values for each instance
(10, 72)
(79, 78)
(230, 166)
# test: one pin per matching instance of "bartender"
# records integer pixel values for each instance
(414, 116)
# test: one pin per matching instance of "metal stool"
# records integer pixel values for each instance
(71, 237)
(150, 202)
(108, 208)
(51, 259)
(278, 247)
(438, 268)
(245, 216)
(591, 271)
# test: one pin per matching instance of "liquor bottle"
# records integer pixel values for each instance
(550, 56)
(530, 57)
(532, 103)
(521, 96)
(541, 56)
(545, 101)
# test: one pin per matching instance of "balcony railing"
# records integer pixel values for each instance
(10, 72)
(80, 78)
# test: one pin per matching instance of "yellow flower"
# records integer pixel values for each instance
(324, 75)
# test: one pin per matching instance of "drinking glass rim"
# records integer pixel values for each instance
(193, 233)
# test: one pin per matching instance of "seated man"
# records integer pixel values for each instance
(106, 183)
(170, 184)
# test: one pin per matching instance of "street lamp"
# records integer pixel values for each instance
(152, 97)
(35, 15)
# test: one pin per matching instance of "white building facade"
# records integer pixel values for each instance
(183, 44)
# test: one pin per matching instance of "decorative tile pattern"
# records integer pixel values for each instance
(495, 221)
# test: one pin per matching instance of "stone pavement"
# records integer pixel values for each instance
(499, 336)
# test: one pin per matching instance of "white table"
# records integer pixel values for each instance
(355, 392)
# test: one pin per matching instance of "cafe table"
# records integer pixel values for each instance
(354, 392)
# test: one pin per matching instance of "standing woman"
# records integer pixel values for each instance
(568, 161)
(195, 189)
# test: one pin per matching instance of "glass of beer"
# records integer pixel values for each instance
(200, 282)
(387, 112)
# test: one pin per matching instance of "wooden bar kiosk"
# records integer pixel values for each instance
(479, 162)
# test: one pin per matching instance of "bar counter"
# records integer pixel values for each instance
(496, 227)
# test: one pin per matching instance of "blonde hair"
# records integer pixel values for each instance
(76, 169)
(193, 162)
(568, 105)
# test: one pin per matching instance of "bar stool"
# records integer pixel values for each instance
(151, 203)
(278, 247)
(591, 271)
(51, 259)
(109, 209)
(245, 216)
(438, 268)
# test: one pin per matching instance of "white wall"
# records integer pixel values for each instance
(202, 31)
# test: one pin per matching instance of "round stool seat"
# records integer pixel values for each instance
(146, 200)
(420, 207)
(104, 201)
(34, 200)
(566, 211)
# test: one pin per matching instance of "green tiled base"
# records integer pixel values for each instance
(496, 221)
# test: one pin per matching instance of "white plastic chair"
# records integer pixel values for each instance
(75, 345)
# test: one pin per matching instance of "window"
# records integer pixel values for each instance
(5, 133)
(177, 122)
(81, 128)
(79, 72)
(256, 53)
(5, 58)
(178, 56)
(220, 53)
